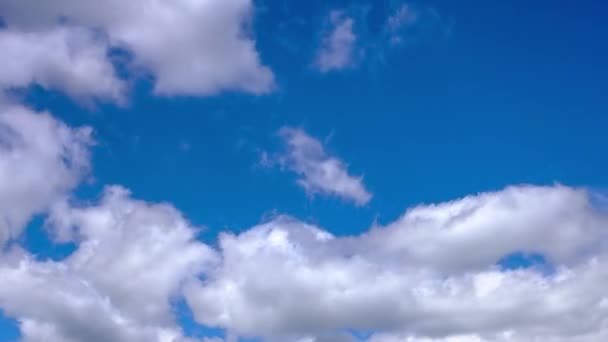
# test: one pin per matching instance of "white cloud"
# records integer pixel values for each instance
(318, 171)
(131, 261)
(191, 47)
(430, 276)
(337, 50)
(41, 160)
(286, 280)
(67, 59)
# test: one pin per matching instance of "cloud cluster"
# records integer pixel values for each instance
(436, 274)
(189, 47)
(432, 275)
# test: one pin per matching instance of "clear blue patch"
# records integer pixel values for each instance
(521, 260)
(360, 335)
(37, 241)
(9, 329)
(191, 328)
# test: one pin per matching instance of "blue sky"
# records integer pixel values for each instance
(512, 94)
(475, 96)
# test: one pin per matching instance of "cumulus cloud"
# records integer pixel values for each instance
(432, 275)
(67, 59)
(318, 171)
(199, 47)
(337, 50)
(41, 161)
(290, 281)
(131, 261)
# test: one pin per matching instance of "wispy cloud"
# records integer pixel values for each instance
(319, 172)
(347, 41)
(338, 45)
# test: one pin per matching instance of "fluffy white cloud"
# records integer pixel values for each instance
(131, 261)
(319, 172)
(67, 59)
(337, 50)
(430, 276)
(191, 47)
(557, 222)
(41, 160)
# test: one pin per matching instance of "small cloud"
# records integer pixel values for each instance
(405, 16)
(338, 45)
(410, 23)
(319, 172)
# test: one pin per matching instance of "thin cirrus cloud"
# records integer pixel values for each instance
(345, 44)
(207, 49)
(318, 172)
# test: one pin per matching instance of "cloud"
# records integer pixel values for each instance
(409, 24)
(363, 34)
(430, 276)
(338, 44)
(41, 161)
(67, 59)
(404, 17)
(199, 47)
(319, 173)
(131, 260)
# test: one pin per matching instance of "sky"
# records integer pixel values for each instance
(303, 171)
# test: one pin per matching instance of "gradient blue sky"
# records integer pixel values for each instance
(483, 94)
(512, 92)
